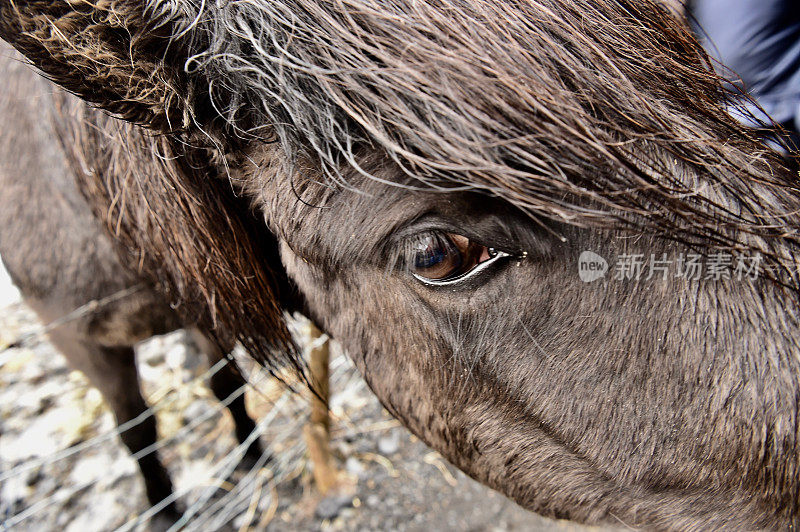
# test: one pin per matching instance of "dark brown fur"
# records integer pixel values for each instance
(61, 259)
(547, 126)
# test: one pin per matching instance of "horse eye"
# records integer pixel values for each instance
(441, 257)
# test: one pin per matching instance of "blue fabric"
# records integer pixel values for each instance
(758, 41)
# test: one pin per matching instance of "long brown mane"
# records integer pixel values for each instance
(602, 114)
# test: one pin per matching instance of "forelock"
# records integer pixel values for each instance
(595, 113)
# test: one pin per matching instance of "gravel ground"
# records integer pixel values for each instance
(62, 467)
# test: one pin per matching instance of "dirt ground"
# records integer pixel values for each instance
(62, 467)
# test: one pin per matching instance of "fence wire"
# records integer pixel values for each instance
(280, 427)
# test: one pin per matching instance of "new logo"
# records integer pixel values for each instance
(591, 266)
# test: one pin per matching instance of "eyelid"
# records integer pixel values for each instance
(436, 227)
(432, 223)
(499, 255)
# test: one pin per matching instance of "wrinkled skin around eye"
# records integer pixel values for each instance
(443, 256)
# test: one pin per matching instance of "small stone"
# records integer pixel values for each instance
(40, 438)
(332, 505)
(373, 500)
(176, 356)
(390, 443)
(100, 515)
(148, 373)
(91, 469)
(14, 492)
(123, 466)
(353, 466)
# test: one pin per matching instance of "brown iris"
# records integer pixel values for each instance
(442, 256)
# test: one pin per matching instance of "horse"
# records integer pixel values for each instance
(534, 226)
(62, 259)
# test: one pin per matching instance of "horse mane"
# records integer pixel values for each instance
(603, 114)
(600, 114)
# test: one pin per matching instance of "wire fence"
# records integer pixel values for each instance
(213, 490)
(214, 500)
